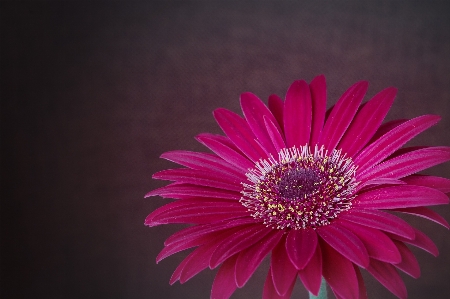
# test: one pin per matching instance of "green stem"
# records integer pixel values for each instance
(322, 291)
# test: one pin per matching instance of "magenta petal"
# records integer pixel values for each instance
(224, 283)
(198, 231)
(393, 140)
(422, 241)
(300, 246)
(379, 220)
(195, 240)
(177, 247)
(249, 259)
(297, 114)
(226, 152)
(202, 161)
(407, 163)
(379, 181)
(269, 291)
(255, 112)
(194, 263)
(283, 272)
(276, 106)
(441, 184)
(222, 139)
(386, 127)
(346, 243)
(198, 259)
(180, 191)
(275, 135)
(361, 284)
(400, 197)
(196, 211)
(180, 174)
(198, 177)
(367, 121)
(425, 213)
(237, 242)
(318, 91)
(378, 245)
(342, 114)
(409, 263)
(338, 271)
(238, 130)
(311, 275)
(388, 277)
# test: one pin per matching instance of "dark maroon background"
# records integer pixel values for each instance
(92, 94)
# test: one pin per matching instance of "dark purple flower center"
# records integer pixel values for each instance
(298, 183)
(301, 189)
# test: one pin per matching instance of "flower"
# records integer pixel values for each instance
(319, 190)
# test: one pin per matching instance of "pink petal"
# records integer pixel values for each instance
(338, 271)
(269, 291)
(250, 258)
(202, 161)
(196, 211)
(337, 296)
(208, 239)
(224, 284)
(367, 121)
(177, 247)
(400, 197)
(361, 284)
(177, 273)
(300, 246)
(255, 111)
(224, 140)
(178, 174)
(318, 91)
(195, 262)
(409, 263)
(386, 127)
(180, 191)
(226, 152)
(342, 114)
(378, 181)
(311, 275)
(379, 220)
(283, 272)
(378, 245)
(407, 163)
(238, 131)
(276, 106)
(197, 177)
(441, 184)
(421, 240)
(297, 114)
(346, 243)
(198, 231)
(393, 140)
(425, 213)
(237, 242)
(388, 277)
(275, 135)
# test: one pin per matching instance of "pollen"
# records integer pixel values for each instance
(301, 189)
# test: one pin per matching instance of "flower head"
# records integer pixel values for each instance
(318, 190)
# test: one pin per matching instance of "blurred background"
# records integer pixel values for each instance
(93, 93)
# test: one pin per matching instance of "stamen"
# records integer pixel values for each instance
(301, 189)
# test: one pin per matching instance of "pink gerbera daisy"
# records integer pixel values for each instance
(314, 188)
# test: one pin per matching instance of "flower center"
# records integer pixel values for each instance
(298, 183)
(300, 189)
